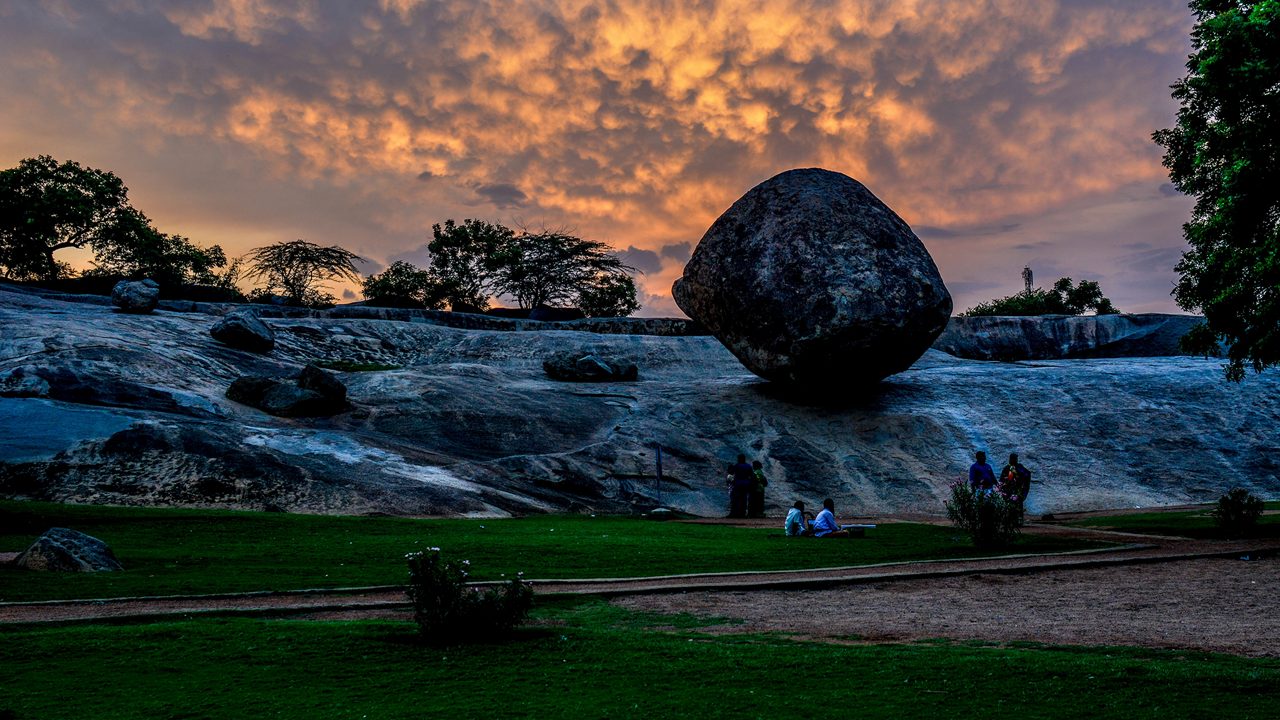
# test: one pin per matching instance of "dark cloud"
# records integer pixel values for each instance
(502, 195)
(680, 252)
(349, 294)
(646, 261)
(426, 175)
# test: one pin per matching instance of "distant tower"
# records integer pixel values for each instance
(1026, 279)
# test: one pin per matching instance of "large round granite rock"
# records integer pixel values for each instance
(811, 281)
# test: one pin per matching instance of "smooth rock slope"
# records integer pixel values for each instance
(98, 406)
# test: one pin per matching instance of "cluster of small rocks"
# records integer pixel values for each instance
(315, 393)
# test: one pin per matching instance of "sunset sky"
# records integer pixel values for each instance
(1005, 132)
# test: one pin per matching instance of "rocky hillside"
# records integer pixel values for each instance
(97, 406)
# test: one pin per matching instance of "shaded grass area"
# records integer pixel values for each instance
(593, 660)
(169, 551)
(1197, 524)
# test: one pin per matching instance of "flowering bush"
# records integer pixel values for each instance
(1237, 512)
(446, 610)
(992, 518)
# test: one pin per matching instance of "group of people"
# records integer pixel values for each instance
(802, 524)
(1014, 481)
(746, 488)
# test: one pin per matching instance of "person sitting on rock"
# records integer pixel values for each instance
(755, 503)
(1015, 480)
(825, 524)
(741, 479)
(795, 525)
(981, 477)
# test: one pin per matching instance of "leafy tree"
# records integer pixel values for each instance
(298, 270)
(1224, 152)
(463, 258)
(1066, 298)
(609, 295)
(47, 206)
(554, 269)
(133, 248)
(403, 284)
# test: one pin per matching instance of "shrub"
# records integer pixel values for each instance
(447, 610)
(992, 519)
(1237, 512)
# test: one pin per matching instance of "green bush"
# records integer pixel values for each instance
(448, 611)
(1237, 513)
(991, 518)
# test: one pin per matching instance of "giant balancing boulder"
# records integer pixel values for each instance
(814, 283)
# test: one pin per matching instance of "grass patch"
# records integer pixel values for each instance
(170, 551)
(1184, 523)
(592, 660)
(353, 366)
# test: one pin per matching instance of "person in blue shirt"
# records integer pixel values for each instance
(825, 524)
(981, 476)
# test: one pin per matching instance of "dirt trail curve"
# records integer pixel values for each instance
(390, 600)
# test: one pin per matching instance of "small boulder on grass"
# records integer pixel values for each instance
(64, 550)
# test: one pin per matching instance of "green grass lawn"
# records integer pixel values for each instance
(590, 660)
(1188, 523)
(168, 551)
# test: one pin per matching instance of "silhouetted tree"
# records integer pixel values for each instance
(403, 284)
(1066, 298)
(297, 269)
(554, 269)
(463, 257)
(47, 206)
(1224, 152)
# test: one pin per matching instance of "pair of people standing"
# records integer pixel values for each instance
(1013, 482)
(746, 488)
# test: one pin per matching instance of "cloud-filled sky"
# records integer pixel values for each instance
(1006, 132)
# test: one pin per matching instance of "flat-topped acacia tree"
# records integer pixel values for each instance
(298, 269)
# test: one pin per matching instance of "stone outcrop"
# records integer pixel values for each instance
(63, 550)
(244, 331)
(589, 366)
(136, 296)
(469, 423)
(1047, 337)
(315, 393)
(811, 281)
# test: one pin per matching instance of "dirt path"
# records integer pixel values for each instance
(1221, 605)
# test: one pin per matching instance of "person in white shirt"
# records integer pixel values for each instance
(825, 524)
(795, 526)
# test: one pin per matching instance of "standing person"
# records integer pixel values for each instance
(755, 503)
(981, 476)
(740, 479)
(795, 525)
(1015, 479)
(825, 524)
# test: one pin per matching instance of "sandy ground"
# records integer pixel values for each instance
(1230, 606)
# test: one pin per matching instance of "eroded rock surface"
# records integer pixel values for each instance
(470, 424)
(589, 366)
(1061, 336)
(811, 281)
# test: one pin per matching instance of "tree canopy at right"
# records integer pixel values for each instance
(1225, 152)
